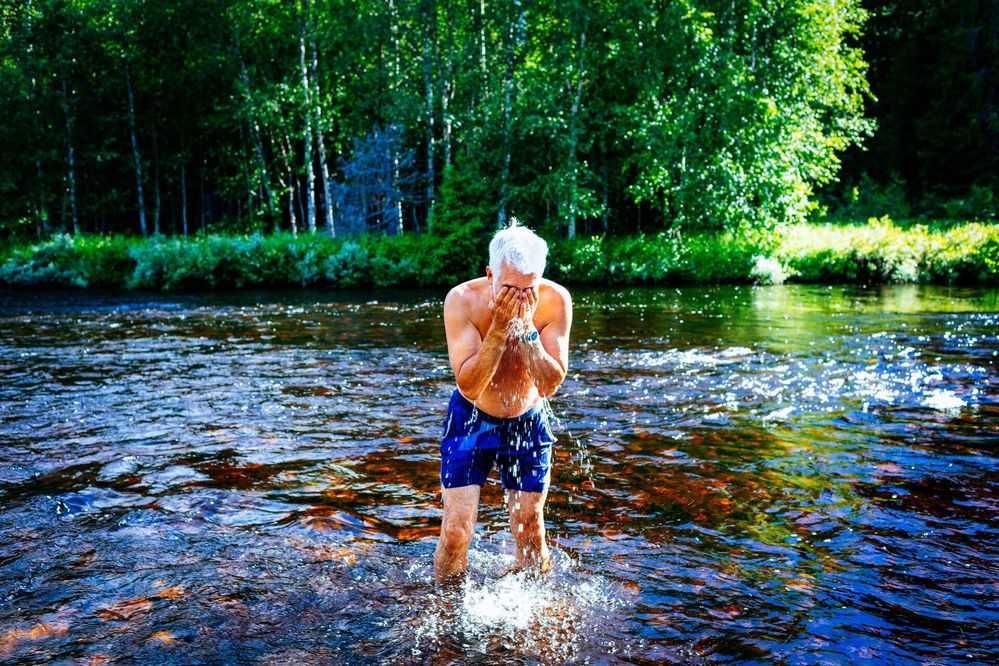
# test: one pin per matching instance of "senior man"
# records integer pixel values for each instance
(508, 344)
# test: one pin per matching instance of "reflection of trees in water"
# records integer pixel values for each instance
(728, 484)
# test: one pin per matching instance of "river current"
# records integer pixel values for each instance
(789, 474)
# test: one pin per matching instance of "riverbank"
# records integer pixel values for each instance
(878, 251)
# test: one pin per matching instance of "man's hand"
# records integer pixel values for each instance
(505, 306)
(513, 311)
(528, 306)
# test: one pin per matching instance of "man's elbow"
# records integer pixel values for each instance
(468, 389)
(550, 388)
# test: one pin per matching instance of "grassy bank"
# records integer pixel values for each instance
(874, 252)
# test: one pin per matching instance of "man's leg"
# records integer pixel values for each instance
(461, 506)
(527, 522)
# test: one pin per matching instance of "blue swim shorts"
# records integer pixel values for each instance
(473, 441)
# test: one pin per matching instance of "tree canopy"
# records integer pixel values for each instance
(340, 116)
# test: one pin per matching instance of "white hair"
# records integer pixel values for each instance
(519, 247)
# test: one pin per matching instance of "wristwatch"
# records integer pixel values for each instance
(529, 337)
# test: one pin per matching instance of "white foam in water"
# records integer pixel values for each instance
(508, 603)
(779, 414)
(686, 357)
(945, 401)
(735, 351)
(542, 617)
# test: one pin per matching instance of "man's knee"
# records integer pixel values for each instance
(457, 531)
(526, 508)
(527, 522)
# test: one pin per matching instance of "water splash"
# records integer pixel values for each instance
(549, 617)
(581, 450)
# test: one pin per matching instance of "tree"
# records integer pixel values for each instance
(575, 116)
(746, 107)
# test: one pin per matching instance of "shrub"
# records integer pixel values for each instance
(163, 264)
(875, 252)
(402, 260)
(869, 198)
(726, 257)
(43, 264)
(103, 261)
(969, 253)
(350, 266)
(881, 251)
(63, 260)
(460, 224)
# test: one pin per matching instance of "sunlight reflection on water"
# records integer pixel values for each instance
(742, 474)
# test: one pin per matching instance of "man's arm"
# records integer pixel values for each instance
(474, 359)
(547, 358)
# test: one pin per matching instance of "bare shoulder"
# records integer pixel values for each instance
(554, 306)
(558, 297)
(463, 297)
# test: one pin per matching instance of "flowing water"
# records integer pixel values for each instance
(765, 475)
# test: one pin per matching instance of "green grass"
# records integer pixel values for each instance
(878, 251)
(881, 251)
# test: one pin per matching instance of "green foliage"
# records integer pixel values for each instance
(706, 113)
(980, 203)
(404, 261)
(44, 264)
(876, 252)
(349, 266)
(83, 261)
(869, 198)
(882, 251)
(747, 106)
(968, 254)
(103, 261)
(666, 258)
(715, 258)
(461, 221)
(938, 106)
(201, 262)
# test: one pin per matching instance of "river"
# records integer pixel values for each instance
(787, 474)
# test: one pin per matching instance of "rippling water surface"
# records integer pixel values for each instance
(770, 475)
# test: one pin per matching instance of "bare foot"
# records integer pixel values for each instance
(450, 585)
(542, 568)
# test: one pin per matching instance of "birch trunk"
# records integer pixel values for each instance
(135, 151)
(201, 189)
(320, 139)
(70, 161)
(156, 185)
(429, 92)
(307, 138)
(483, 71)
(446, 93)
(507, 100)
(183, 198)
(42, 226)
(396, 227)
(286, 153)
(446, 115)
(251, 194)
(606, 197)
